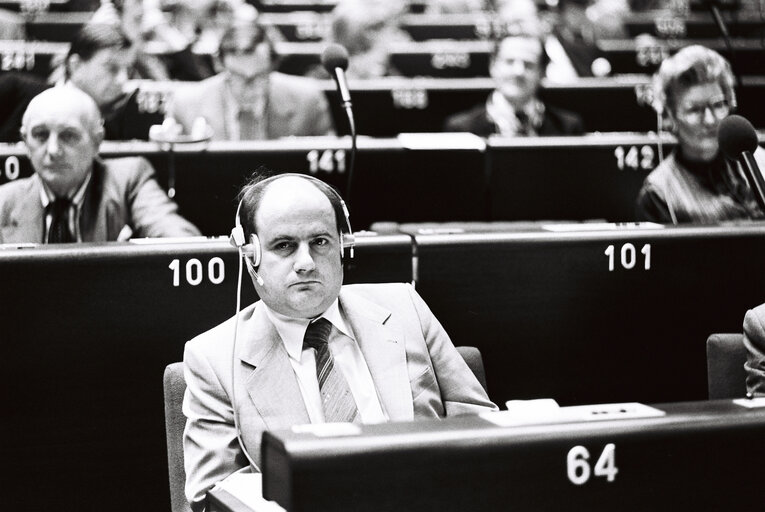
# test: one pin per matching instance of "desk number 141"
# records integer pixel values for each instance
(628, 257)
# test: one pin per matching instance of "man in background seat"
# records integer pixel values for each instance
(514, 109)
(249, 100)
(74, 196)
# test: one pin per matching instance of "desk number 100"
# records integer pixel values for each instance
(628, 257)
(216, 271)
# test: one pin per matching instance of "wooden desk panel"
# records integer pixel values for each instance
(594, 316)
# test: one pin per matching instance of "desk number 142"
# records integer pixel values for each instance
(628, 257)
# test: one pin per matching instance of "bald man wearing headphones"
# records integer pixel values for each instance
(383, 352)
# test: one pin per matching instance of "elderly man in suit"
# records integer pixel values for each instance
(517, 65)
(249, 100)
(375, 348)
(74, 196)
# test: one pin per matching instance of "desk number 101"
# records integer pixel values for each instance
(628, 257)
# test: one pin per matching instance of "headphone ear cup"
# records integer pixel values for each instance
(256, 253)
(251, 252)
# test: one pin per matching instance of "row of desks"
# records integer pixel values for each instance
(385, 107)
(444, 59)
(413, 178)
(320, 6)
(303, 26)
(601, 315)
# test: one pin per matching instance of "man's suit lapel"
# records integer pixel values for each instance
(212, 106)
(271, 382)
(26, 219)
(384, 350)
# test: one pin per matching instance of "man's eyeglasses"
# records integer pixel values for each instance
(695, 114)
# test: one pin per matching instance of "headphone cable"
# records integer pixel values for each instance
(233, 362)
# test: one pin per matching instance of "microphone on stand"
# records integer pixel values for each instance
(738, 140)
(335, 61)
(722, 27)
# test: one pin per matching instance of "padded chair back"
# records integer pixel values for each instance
(175, 421)
(472, 357)
(726, 355)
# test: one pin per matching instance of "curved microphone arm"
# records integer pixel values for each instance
(352, 160)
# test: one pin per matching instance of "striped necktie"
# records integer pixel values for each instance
(336, 398)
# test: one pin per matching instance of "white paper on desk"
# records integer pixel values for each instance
(248, 488)
(750, 403)
(457, 140)
(573, 414)
(177, 240)
(600, 226)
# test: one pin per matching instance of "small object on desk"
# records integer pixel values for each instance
(750, 403)
(246, 489)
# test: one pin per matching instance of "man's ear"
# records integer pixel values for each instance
(99, 132)
(73, 63)
(669, 121)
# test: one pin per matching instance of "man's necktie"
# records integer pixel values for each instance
(336, 398)
(248, 124)
(59, 226)
(524, 127)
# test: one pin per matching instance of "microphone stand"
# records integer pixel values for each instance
(167, 145)
(754, 177)
(715, 11)
(352, 159)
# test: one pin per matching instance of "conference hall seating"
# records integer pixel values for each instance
(385, 107)
(633, 56)
(582, 314)
(695, 25)
(86, 334)
(412, 178)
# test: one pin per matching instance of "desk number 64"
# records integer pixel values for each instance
(578, 464)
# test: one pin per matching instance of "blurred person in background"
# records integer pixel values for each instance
(98, 63)
(366, 28)
(173, 40)
(249, 100)
(695, 183)
(514, 108)
(576, 28)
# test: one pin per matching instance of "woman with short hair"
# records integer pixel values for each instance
(693, 90)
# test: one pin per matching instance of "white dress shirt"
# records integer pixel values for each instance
(347, 357)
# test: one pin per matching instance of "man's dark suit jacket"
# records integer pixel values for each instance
(476, 120)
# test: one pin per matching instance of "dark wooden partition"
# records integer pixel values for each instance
(594, 316)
